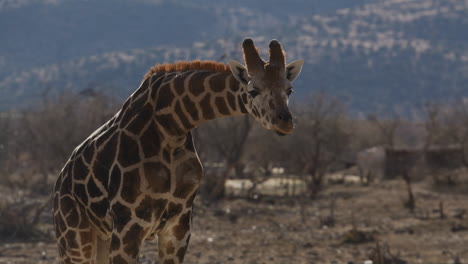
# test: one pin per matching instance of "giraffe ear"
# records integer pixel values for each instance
(293, 69)
(239, 71)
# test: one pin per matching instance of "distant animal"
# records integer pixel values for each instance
(136, 176)
(371, 164)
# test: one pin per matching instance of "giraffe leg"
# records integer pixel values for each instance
(126, 242)
(173, 240)
(103, 249)
(76, 237)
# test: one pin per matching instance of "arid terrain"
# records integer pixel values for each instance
(367, 221)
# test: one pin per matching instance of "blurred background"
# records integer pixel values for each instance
(376, 169)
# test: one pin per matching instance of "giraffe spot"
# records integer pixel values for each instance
(115, 242)
(80, 170)
(132, 239)
(244, 98)
(190, 107)
(242, 101)
(128, 151)
(86, 238)
(104, 160)
(84, 224)
(169, 261)
(181, 253)
(234, 85)
(183, 227)
(70, 236)
(138, 103)
(73, 218)
(114, 183)
(157, 176)
(66, 204)
(130, 186)
(100, 208)
(221, 105)
(165, 97)
(173, 209)
(270, 104)
(66, 186)
(207, 110)
(183, 118)
(190, 200)
(75, 253)
(179, 81)
(160, 253)
(88, 153)
(157, 79)
(121, 216)
(170, 249)
(168, 122)
(231, 101)
(150, 207)
(105, 135)
(188, 175)
(138, 123)
(166, 156)
(130, 112)
(142, 89)
(196, 86)
(150, 141)
(60, 224)
(95, 221)
(106, 226)
(119, 260)
(88, 250)
(63, 243)
(170, 76)
(93, 189)
(76, 260)
(80, 193)
(218, 83)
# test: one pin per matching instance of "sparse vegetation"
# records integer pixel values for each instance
(327, 138)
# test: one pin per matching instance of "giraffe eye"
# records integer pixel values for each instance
(290, 91)
(254, 92)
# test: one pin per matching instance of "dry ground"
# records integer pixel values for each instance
(291, 231)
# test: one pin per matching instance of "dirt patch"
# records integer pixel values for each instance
(292, 231)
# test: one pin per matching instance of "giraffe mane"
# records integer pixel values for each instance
(188, 65)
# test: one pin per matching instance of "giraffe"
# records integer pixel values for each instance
(135, 178)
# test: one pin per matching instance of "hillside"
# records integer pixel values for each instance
(372, 54)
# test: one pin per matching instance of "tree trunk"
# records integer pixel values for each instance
(411, 202)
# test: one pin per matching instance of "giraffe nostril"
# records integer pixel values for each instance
(284, 116)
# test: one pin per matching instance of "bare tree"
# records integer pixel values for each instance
(51, 131)
(223, 140)
(387, 127)
(319, 140)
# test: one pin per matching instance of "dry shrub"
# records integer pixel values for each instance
(356, 236)
(19, 219)
(47, 134)
(382, 255)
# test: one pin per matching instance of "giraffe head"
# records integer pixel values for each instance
(267, 85)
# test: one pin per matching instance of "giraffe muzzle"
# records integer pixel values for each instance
(283, 123)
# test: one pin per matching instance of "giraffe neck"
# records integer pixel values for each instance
(176, 102)
(184, 100)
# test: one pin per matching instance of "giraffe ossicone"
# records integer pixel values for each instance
(136, 176)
